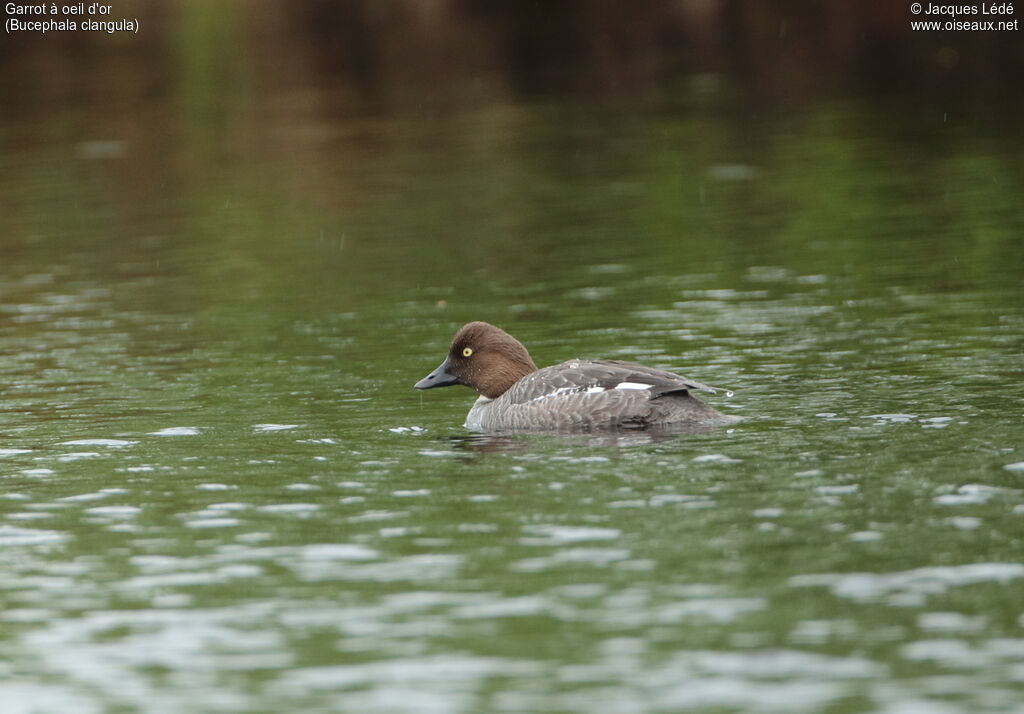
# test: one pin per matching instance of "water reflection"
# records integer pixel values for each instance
(611, 439)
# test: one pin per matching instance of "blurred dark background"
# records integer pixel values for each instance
(433, 55)
(533, 124)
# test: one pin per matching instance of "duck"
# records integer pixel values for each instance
(577, 395)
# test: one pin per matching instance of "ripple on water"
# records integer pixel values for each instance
(213, 516)
(971, 493)
(525, 606)
(892, 418)
(214, 523)
(715, 459)
(427, 567)
(909, 586)
(28, 698)
(837, 489)
(960, 654)
(293, 509)
(189, 579)
(430, 683)
(264, 428)
(776, 680)
(114, 512)
(110, 651)
(597, 557)
(112, 443)
(964, 523)
(177, 431)
(559, 535)
(679, 500)
(13, 536)
(93, 496)
(336, 551)
(79, 455)
(950, 622)
(866, 536)
(718, 609)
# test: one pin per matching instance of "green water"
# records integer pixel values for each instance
(220, 492)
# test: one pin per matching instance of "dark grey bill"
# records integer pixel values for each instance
(440, 377)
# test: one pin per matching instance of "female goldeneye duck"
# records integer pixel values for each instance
(577, 395)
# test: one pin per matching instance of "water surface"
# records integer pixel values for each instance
(221, 494)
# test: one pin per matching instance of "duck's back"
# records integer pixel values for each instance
(582, 395)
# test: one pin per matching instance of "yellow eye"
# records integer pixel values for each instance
(467, 352)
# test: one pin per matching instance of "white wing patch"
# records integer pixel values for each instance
(563, 391)
(632, 385)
